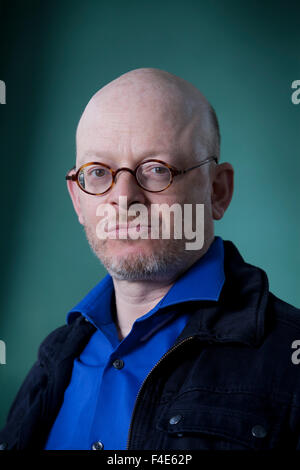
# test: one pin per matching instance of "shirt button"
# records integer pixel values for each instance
(175, 419)
(118, 364)
(97, 445)
(258, 431)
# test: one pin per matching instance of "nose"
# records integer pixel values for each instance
(126, 185)
(123, 169)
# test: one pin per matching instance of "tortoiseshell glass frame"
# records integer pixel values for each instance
(174, 172)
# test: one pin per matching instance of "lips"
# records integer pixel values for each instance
(126, 227)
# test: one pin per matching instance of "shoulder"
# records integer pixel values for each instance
(66, 340)
(287, 315)
(277, 351)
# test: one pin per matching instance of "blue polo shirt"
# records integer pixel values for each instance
(108, 374)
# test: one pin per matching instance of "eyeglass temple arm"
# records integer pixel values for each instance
(71, 177)
(200, 164)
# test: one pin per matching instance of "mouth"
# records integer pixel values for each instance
(127, 229)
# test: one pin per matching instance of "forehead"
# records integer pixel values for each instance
(118, 134)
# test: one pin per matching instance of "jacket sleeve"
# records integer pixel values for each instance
(28, 408)
(27, 392)
(28, 400)
(39, 398)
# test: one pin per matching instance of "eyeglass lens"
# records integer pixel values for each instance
(97, 179)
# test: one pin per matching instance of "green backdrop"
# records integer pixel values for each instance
(54, 55)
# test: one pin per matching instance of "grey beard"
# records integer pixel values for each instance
(144, 268)
(168, 260)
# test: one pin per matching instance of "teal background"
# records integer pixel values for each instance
(54, 55)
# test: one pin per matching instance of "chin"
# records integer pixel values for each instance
(122, 249)
(133, 263)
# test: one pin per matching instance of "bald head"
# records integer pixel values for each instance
(157, 93)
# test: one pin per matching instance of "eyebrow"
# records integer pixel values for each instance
(109, 155)
(94, 155)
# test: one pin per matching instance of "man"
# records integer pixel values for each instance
(175, 348)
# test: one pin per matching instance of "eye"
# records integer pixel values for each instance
(97, 172)
(152, 169)
(159, 169)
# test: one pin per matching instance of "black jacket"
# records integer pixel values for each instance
(228, 382)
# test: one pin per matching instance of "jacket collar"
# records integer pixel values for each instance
(239, 314)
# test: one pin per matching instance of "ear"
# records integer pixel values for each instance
(222, 189)
(74, 194)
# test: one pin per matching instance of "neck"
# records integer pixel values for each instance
(135, 299)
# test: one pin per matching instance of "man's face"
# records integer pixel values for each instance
(123, 130)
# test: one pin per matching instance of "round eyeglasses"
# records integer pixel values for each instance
(151, 175)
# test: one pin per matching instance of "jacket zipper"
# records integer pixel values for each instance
(144, 381)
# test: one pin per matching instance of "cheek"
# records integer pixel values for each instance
(200, 192)
(195, 195)
(88, 207)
